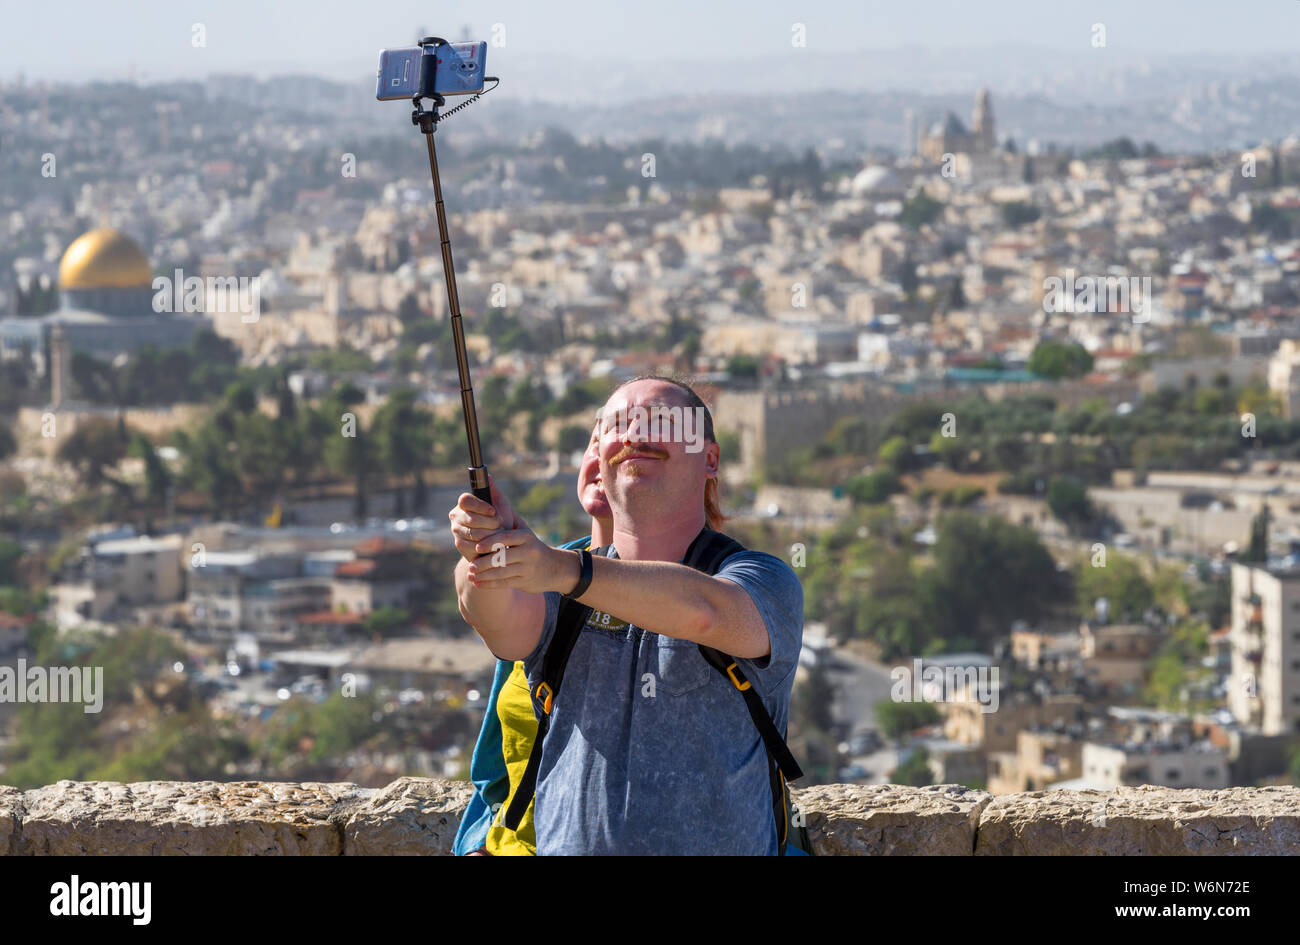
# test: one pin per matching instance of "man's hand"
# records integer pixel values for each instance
(519, 560)
(473, 519)
(508, 619)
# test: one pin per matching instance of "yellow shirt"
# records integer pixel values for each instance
(518, 732)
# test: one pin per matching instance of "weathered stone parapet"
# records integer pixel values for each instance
(891, 819)
(420, 816)
(240, 818)
(1143, 821)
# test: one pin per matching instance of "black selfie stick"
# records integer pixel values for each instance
(428, 123)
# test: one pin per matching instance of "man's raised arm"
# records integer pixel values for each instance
(666, 598)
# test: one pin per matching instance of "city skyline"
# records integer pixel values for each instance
(997, 321)
(155, 41)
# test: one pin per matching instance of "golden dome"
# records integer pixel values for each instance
(104, 258)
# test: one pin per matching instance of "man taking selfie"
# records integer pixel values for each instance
(648, 749)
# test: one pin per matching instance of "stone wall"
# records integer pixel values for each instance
(419, 816)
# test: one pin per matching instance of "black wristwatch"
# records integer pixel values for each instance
(584, 581)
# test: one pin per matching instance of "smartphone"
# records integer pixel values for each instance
(399, 73)
(454, 69)
(458, 68)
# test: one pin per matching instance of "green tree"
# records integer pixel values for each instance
(261, 456)
(173, 738)
(349, 450)
(873, 487)
(1257, 399)
(1178, 669)
(920, 210)
(988, 573)
(743, 366)
(1211, 401)
(895, 453)
(849, 436)
(1055, 360)
(1257, 551)
(94, 447)
(93, 379)
(572, 438)
(403, 434)
(1115, 149)
(896, 719)
(209, 464)
(1127, 592)
(157, 478)
(10, 553)
(1067, 497)
(535, 503)
(385, 621)
(949, 450)
(915, 770)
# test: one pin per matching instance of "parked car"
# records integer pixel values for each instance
(851, 772)
(864, 742)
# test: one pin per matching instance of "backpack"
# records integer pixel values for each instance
(706, 553)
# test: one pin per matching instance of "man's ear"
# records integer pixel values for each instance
(712, 453)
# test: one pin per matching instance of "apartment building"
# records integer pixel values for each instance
(112, 576)
(1041, 757)
(970, 724)
(1197, 765)
(1264, 684)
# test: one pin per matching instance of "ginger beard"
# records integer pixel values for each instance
(631, 482)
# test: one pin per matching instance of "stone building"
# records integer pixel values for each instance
(950, 136)
(105, 310)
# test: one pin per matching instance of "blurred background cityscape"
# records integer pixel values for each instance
(851, 226)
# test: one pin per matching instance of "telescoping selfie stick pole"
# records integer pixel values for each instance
(428, 123)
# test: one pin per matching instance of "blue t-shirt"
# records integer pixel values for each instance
(650, 749)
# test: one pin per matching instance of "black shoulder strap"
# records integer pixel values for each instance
(568, 624)
(776, 746)
(706, 554)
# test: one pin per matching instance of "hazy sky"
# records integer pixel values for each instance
(152, 39)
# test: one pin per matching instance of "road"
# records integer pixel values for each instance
(860, 683)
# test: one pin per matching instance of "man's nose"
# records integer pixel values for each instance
(634, 429)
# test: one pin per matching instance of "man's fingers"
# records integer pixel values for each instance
(475, 520)
(491, 575)
(475, 533)
(469, 502)
(510, 539)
